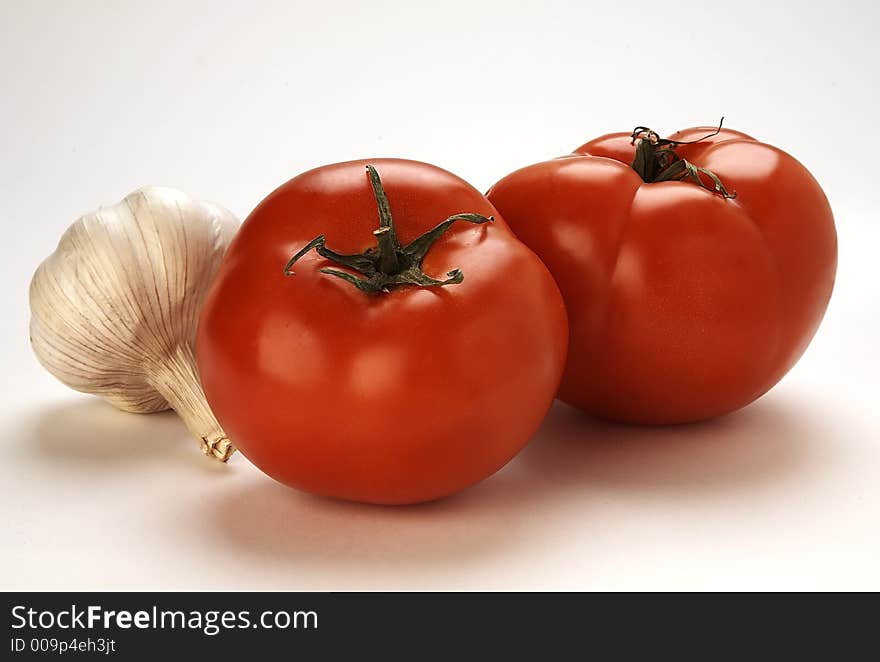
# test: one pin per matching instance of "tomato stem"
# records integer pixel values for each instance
(388, 264)
(386, 236)
(656, 160)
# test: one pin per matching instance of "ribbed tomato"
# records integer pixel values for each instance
(695, 269)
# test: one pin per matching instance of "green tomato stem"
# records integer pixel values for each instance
(656, 160)
(387, 265)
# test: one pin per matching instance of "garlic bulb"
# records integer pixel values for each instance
(114, 309)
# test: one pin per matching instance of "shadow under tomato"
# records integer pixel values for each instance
(739, 451)
(573, 461)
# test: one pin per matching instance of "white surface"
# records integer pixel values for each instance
(226, 103)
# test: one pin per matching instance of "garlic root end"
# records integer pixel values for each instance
(220, 448)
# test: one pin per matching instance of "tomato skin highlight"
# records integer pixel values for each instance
(682, 305)
(390, 398)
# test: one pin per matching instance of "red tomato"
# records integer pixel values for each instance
(334, 386)
(683, 304)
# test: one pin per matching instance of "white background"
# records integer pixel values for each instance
(228, 100)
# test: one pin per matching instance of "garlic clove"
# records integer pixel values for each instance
(114, 308)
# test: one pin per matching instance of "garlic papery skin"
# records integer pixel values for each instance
(114, 309)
